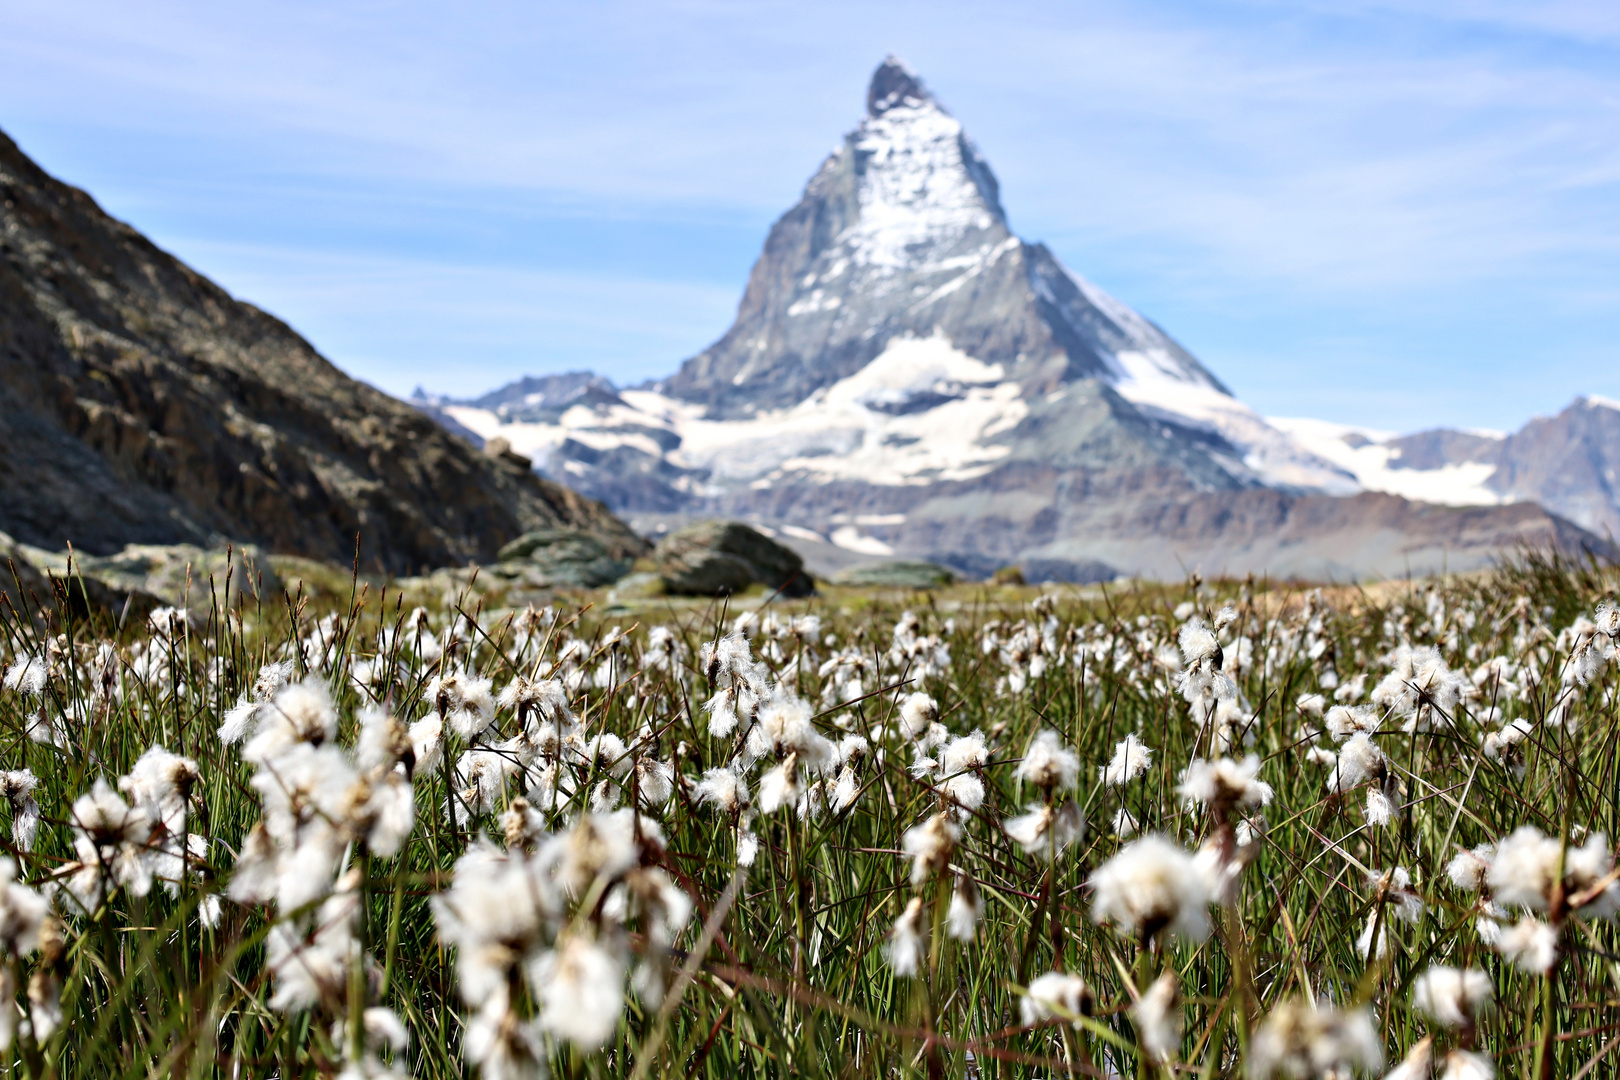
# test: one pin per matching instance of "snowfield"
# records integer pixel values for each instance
(1364, 453)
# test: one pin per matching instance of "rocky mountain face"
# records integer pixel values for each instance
(140, 403)
(896, 287)
(1568, 463)
(906, 377)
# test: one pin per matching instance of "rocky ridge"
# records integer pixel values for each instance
(140, 403)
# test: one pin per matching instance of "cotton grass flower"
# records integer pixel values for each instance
(1417, 1063)
(1224, 784)
(1380, 809)
(110, 841)
(1300, 1039)
(846, 790)
(502, 1044)
(960, 764)
(966, 909)
(724, 788)
(24, 913)
(1344, 721)
(1467, 1065)
(1453, 997)
(1056, 995)
(1045, 831)
(930, 846)
(1468, 869)
(904, 949)
(1393, 887)
(581, 990)
(1124, 824)
(1048, 764)
(1131, 759)
(17, 786)
(1158, 1019)
(917, 713)
(1359, 760)
(1524, 873)
(1394, 899)
(785, 727)
(300, 713)
(1150, 886)
(1530, 945)
(27, 675)
(465, 701)
(1524, 870)
(1199, 645)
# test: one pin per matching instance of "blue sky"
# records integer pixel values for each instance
(1393, 213)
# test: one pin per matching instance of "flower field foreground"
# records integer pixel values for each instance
(1220, 830)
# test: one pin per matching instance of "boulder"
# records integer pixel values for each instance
(16, 569)
(568, 557)
(49, 579)
(642, 586)
(182, 575)
(896, 575)
(718, 558)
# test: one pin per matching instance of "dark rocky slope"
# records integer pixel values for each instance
(139, 402)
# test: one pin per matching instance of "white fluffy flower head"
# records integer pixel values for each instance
(1150, 886)
(1223, 784)
(1131, 759)
(1048, 764)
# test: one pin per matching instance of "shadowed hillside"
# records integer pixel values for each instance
(139, 402)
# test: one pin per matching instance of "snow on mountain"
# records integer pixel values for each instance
(926, 187)
(921, 412)
(1377, 462)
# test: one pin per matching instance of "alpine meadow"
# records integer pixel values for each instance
(1217, 829)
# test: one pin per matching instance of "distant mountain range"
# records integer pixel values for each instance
(1567, 463)
(906, 376)
(140, 403)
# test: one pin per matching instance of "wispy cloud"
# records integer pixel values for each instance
(1266, 179)
(457, 329)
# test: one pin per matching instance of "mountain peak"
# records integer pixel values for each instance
(893, 85)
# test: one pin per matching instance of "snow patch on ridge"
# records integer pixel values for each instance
(1273, 455)
(850, 538)
(1363, 452)
(917, 188)
(1165, 384)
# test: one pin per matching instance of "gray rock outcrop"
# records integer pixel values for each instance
(568, 557)
(138, 579)
(181, 575)
(719, 558)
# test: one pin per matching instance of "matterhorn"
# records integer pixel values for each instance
(907, 377)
